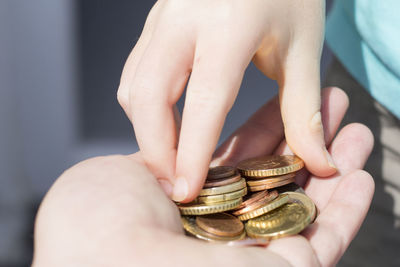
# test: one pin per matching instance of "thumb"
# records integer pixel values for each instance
(300, 101)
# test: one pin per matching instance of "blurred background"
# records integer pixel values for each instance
(60, 64)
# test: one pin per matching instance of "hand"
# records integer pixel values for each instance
(213, 42)
(111, 211)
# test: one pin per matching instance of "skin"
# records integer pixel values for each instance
(112, 211)
(213, 42)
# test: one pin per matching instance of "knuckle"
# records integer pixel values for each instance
(122, 99)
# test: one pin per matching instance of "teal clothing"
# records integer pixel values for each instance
(365, 36)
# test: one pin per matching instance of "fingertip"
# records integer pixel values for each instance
(181, 190)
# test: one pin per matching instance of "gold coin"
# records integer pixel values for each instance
(220, 224)
(221, 198)
(290, 219)
(222, 181)
(304, 200)
(270, 165)
(220, 172)
(271, 185)
(276, 203)
(190, 226)
(270, 180)
(223, 189)
(201, 209)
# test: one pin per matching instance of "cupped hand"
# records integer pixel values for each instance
(111, 211)
(212, 42)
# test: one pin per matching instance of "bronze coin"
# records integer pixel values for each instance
(250, 199)
(220, 224)
(220, 172)
(270, 180)
(270, 165)
(222, 181)
(256, 204)
(270, 185)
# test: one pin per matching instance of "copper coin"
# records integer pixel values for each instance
(220, 224)
(270, 180)
(222, 181)
(270, 165)
(250, 199)
(270, 185)
(220, 172)
(255, 205)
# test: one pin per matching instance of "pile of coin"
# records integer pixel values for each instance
(224, 212)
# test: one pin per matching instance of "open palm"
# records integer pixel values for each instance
(111, 211)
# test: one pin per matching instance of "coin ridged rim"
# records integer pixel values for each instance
(251, 230)
(273, 171)
(270, 180)
(223, 189)
(201, 209)
(276, 203)
(190, 226)
(271, 185)
(221, 198)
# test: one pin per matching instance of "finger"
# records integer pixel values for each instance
(261, 134)
(215, 80)
(128, 73)
(334, 104)
(300, 107)
(159, 81)
(338, 223)
(350, 150)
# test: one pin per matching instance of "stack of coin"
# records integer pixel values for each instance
(270, 171)
(222, 191)
(282, 210)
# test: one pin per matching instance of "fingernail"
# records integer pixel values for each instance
(166, 186)
(181, 189)
(329, 159)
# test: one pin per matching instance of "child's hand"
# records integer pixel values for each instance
(110, 211)
(213, 42)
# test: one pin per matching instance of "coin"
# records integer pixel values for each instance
(289, 219)
(201, 209)
(250, 199)
(219, 172)
(276, 203)
(222, 181)
(190, 226)
(221, 198)
(304, 200)
(223, 189)
(253, 205)
(270, 180)
(220, 224)
(270, 165)
(271, 185)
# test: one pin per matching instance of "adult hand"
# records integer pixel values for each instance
(111, 211)
(213, 42)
